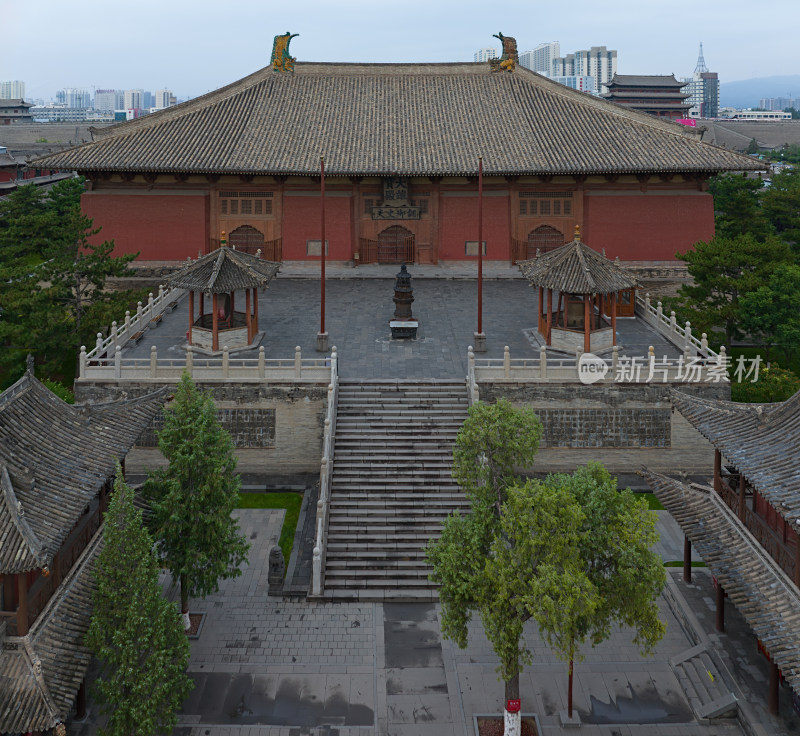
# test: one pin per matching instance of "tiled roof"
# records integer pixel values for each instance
(755, 583)
(224, 270)
(574, 268)
(54, 458)
(397, 119)
(645, 80)
(761, 440)
(40, 673)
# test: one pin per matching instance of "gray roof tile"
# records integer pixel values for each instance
(405, 119)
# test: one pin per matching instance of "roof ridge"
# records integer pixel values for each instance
(17, 514)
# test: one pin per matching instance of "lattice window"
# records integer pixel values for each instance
(471, 248)
(423, 204)
(556, 204)
(245, 203)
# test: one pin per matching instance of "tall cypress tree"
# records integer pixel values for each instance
(192, 499)
(135, 632)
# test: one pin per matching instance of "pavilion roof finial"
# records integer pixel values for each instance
(577, 232)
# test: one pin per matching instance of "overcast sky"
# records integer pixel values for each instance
(193, 46)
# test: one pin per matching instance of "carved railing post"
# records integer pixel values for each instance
(153, 362)
(82, 362)
(225, 361)
(298, 362)
(506, 362)
(543, 362)
(189, 360)
(261, 363)
(118, 362)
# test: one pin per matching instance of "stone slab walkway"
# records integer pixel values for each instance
(272, 667)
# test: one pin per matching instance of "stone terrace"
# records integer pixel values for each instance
(358, 313)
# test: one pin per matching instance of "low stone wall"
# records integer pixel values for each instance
(276, 427)
(624, 426)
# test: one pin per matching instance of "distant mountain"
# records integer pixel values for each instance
(748, 92)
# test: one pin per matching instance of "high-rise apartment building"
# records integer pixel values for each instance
(74, 97)
(485, 54)
(12, 90)
(541, 58)
(164, 98)
(779, 103)
(134, 99)
(106, 99)
(598, 62)
(703, 89)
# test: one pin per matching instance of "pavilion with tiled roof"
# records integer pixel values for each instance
(245, 159)
(224, 272)
(658, 95)
(57, 464)
(588, 284)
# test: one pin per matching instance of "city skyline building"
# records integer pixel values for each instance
(778, 103)
(540, 59)
(598, 62)
(703, 89)
(12, 90)
(108, 99)
(74, 97)
(485, 54)
(134, 99)
(163, 98)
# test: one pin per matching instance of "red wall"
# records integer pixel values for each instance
(302, 222)
(162, 227)
(459, 220)
(646, 226)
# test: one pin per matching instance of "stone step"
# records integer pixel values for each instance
(340, 562)
(356, 582)
(399, 540)
(341, 551)
(366, 514)
(346, 503)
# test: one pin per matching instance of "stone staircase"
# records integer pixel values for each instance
(391, 486)
(703, 683)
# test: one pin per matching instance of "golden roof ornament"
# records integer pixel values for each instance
(281, 60)
(509, 58)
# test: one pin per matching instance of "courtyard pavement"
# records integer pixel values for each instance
(274, 667)
(357, 320)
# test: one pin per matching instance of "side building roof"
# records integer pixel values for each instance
(54, 458)
(41, 672)
(397, 119)
(762, 440)
(763, 593)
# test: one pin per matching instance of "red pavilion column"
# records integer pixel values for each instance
(22, 608)
(587, 327)
(191, 315)
(255, 310)
(247, 316)
(717, 471)
(214, 324)
(550, 315)
(614, 319)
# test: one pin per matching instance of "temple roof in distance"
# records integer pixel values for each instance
(41, 672)
(574, 268)
(54, 458)
(645, 80)
(761, 440)
(399, 119)
(764, 594)
(224, 270)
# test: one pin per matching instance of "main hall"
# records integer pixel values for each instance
(401, 145)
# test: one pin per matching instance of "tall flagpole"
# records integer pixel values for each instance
(480, 337)
(322, 336)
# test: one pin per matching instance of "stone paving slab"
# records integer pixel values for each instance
(357, 321)
(267, 667)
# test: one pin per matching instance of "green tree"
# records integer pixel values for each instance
(722, 270)
(623, 576)
(771, 313)
(135, 632)
(495, 442)
(752, 147)
(193, 498)
(773, 384)
(737, 206)
(53, 279)
(781, 205)
(502, 564)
